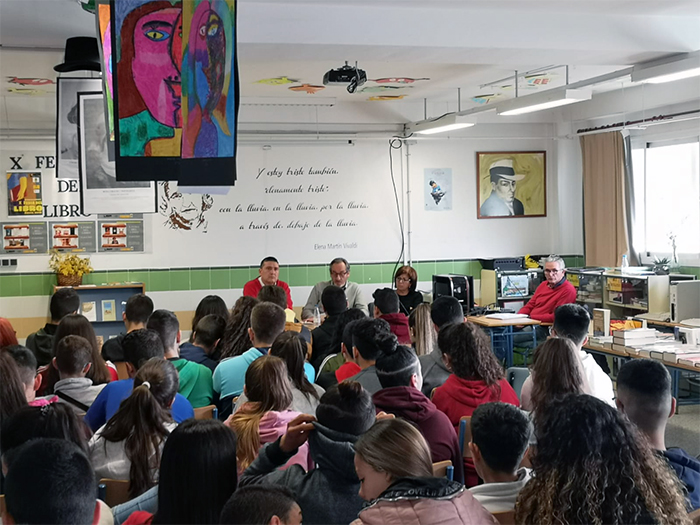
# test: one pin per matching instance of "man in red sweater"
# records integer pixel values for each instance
(269, 272)
(554, 291)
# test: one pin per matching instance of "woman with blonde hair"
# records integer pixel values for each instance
(393, 464)
(592, 466)
(422, 328)
(265, 416)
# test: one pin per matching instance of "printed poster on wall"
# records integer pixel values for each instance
(438, 189)
(24, 237)
(24, 193)
(120, 234)
(101, 192)
(175, 91)
(73, 236)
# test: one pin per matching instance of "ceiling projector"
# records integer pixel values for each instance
(346, 75)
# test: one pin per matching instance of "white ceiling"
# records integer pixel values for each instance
(465, 44)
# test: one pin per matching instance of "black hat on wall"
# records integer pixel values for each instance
(81, 54)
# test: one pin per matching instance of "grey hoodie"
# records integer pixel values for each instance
(327, 494)
(435, 373)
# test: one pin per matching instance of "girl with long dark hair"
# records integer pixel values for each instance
(236, 339)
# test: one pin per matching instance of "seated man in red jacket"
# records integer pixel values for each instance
(386, 306)
(399, 373)
(554, 291)
(269, 272)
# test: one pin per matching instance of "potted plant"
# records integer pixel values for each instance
(69, 268)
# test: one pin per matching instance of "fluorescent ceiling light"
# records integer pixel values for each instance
(658, 73)
(547, 99)
(448, 122)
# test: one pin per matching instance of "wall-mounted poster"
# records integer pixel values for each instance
(437, 189)
(511, 184)
(120, 235)
(67, 123)
(24, 193)
(73, 236)
(24, 237)
(100, 191)
(175, 90)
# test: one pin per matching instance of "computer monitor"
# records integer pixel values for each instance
(461, 287)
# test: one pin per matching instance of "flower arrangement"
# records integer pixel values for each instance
(69, 267)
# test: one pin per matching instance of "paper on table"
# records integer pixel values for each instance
(505, 317)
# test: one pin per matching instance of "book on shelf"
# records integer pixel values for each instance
(109, 310)
(634, 334)
(601, 322)
(89, 310)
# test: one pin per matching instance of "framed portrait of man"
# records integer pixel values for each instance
(511, 184)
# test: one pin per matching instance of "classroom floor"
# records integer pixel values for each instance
(683, 430)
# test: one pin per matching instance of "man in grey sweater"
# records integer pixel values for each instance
(340, 273)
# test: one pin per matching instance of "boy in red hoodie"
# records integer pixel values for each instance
(386, 306)
(477, 378)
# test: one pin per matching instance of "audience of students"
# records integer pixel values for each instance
(334, 303)
(8, 337)
(399, 374)
(386, 307)
(73, 361)
(393, 464)
(129, 446)
(76, 324)
(328, 493)
(273, 293)
(52, 481)
(406, 280)
(500, 437)
(27, 366)
(196, 480)
(265, 416)
(262, 505)
(571, 321)
(267, 321)
(370, 339)
(443, 312)
(63, 302)
(139, 346)
(209, 305)
(195, 379)
(556, 371)
(644, 396)
(341, 366)
(477, 378)
(305, 395)
(422, 330)
(203, 347)
(138, 309)
(236, 339)
(591, 466)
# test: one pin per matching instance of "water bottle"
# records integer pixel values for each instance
(625, 264)
(317, 316)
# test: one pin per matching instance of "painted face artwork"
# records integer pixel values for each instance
(156, 64)
(505, 189)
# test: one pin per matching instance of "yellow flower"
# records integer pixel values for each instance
(69, 264)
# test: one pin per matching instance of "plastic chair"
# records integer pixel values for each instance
(506, 517)
(207, 412)
(516, 376)
(113, 491)
(465, 436)
(444, 469)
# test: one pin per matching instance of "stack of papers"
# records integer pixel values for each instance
(507, 317)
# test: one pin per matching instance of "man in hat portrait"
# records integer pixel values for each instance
(502, 202)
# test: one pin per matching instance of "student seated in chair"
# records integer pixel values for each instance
(73, 361)
(27, 366)
(139, 347)
(138, 309)
(387, 306)
(262, 505)
(205, 340)
(399, 374)
(500, 435)
(334, 303)
(64, 302)
(195, 379)
(370, 339)
(644, 395)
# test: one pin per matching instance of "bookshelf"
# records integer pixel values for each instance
(626, 294)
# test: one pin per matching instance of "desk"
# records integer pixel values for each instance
(501, 334)
(675, 369)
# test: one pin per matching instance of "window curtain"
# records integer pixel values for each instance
(630, 207)
(604, 215)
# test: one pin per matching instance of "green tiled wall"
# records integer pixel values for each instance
(178, 279)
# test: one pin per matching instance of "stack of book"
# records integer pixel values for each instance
(624, 340)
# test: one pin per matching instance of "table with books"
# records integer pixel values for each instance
(648, 343)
